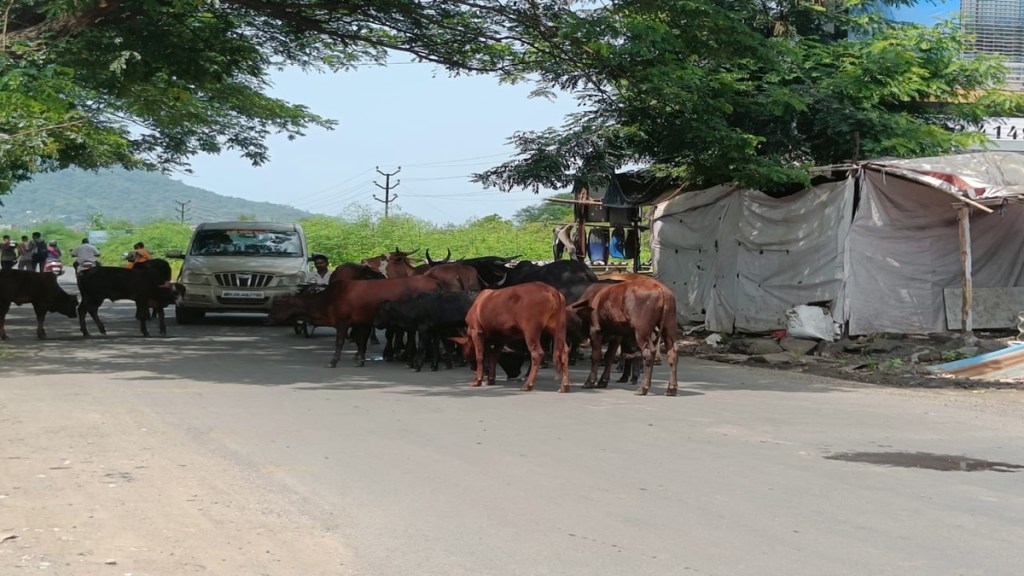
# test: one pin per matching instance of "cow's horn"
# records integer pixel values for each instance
(448, 257)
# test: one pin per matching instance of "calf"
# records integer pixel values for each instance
(148, 284)
(41, 289)
(637, 309)
(347, 303)
(522, 312)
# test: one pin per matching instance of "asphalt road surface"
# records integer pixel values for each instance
(385, 472)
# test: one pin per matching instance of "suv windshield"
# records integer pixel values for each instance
(248, 242)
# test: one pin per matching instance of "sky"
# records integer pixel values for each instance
(437, 129)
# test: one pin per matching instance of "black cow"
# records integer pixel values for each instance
(41, 289)
(556, 274)
(434, 317)
(148, 284)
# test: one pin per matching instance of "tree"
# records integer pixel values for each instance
(148, 84)
(546, 212)
(752, 91)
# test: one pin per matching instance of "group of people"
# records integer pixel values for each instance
(28, 254)
(33, 254)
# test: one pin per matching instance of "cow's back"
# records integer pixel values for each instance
(358, 300)
(508, 310)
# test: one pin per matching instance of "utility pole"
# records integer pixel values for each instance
(183, 209)
(387, 188)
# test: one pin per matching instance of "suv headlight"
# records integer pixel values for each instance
(294, 279)
(193, 278)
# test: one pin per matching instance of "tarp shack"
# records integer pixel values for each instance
(908, 246)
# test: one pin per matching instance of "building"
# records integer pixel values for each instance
(998, 28)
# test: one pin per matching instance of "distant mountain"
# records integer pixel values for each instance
(71, 196)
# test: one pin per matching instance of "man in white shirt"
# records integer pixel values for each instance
(321, 274)
(85, 252)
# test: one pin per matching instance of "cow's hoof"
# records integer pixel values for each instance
(670, 392)
(602, 384)
(641, 392)
(589, 384)
(525, 388)
(565, 389)
(475, 384)
(360, 363)
(332, 364)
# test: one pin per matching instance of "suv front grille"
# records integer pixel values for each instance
(244, 279)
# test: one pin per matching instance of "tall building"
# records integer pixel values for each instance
(998, 28)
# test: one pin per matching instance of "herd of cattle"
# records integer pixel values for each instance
(495, 312)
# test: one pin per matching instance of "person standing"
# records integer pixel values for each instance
(85, 253)
(8, 253)
(26, 250)
(40, 253)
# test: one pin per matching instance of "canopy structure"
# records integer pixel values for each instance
(880, 246)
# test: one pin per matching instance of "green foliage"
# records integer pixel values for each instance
(150, 84)
(546, 212)
(954, 355)
(892, 365)
(751, 92)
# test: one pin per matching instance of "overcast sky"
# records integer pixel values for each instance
(439, 130)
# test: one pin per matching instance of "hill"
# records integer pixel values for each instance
(71, 196)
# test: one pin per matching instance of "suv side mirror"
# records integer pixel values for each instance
(175, 254)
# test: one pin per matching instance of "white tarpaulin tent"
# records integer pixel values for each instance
(877, 248)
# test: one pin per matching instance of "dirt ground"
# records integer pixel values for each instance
(894, 360)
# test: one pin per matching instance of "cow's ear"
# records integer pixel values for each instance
(460, 340)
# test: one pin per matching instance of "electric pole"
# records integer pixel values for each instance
(387, 188)
(183, 209)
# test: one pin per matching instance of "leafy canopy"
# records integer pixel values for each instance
(753, 91)
(701, 90)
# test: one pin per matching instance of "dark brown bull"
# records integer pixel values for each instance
(637, 308)
(148, 284)
(347, 303)
(41, 289)
(523, 312)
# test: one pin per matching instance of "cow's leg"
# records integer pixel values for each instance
(609, 359)
(361, 336)
(4, 308)
(389, 345)
(158, 311)
(478, 355)
(340, 332)
(142, 315)
(40, 317)
(536, 348)
(595, 357)
(493, 352)
(648, 353)
(81, 317)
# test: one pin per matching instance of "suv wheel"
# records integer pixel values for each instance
(184, 315)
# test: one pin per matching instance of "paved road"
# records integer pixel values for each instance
(747, 472)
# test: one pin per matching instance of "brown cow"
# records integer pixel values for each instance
(523, 312)
(636, 308)
(393, 264)
(455, 277)
(347, 303)
(41, 289)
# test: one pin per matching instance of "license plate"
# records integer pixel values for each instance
(242, 294)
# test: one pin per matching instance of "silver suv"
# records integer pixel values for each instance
(239, 267)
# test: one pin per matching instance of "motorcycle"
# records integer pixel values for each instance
(55, 267)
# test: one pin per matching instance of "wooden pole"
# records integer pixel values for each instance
(966, 320)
